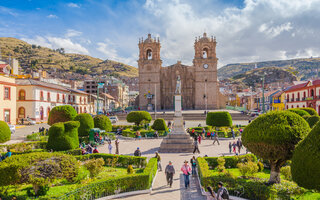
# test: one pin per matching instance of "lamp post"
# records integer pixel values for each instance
(155, 101)
(206, 98)
(263, 108)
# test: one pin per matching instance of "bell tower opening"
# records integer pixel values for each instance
(149, 54)
(205, 53)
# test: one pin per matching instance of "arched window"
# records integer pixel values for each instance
(77, 109)
(80, 109)
(41, 113)
(149, 54)
(80, 100)
(298, 96)
(304, 94)
(297, 106)
(22, 95)
(41, 95)
(48, 111)
(63, 98)
(205, 53)
(69, 98)
(21, 112)
(287, 107)
(292, 96)
(85, 109)
(84, 100)
(74, 99)
(48, 96)
(312, 93)
(303, 106)
(58, 97)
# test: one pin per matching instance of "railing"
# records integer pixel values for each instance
(22, 98)
(276, 101)
(297, 99)
(309, 98)
(292, 100)
(41, 98)
(303, 98)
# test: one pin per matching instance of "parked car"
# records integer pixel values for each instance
(12, 128)
(113, 119)
(27, 121)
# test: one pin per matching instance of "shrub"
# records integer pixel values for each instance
(221, 161)
(18, 168)
(306, 161)
(115, 127)
(286, 172)
(299, 112)
(138, 117)
(102, 122)
(261, 166)
(61, 114)
(63, 136)
(5, 133)
(94, 166)
(248, 169)
(273, 136)
(130, 169)
(312, 120)
(311, 111)
(219, 119)
(86, 123)
(25, 146)
(159, 125)
(231, 161)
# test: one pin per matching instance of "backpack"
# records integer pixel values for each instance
(225, 194)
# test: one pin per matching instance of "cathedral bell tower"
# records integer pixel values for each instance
(205, 63)
(149, 64)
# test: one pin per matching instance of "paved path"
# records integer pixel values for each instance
(160, 189)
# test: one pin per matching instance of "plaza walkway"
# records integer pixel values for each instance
(160, 190)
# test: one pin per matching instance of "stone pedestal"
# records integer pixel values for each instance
(178, 141)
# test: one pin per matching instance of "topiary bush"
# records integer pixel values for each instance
(219, 119)
(130, 169)
(286, 172)
(248, 169)
(311, 111)
(138, 117)
(306, 161)
(312, 120)
(61, 114)
(103, 122)
(86, 123)
(159, 125)
(5, 133)
(94, 166)
(299, 112)
(63, 136)
(221, 161)
(273, 136)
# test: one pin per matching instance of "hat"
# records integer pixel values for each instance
(138, 148)
(220, 183)
(170, 162)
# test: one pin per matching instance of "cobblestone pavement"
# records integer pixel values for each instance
(160, 190)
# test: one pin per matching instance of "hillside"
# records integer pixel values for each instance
(305, 68)
(58, 62)
(273, 74)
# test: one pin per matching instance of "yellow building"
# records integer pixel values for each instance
(278, 101)
(7, 99)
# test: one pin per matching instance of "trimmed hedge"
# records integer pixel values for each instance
(121, 161)
(115, 127)
(159, 125)
(143, 133)
(86, 123)
(122, 184)
(219, 119)
(299, 112)
(5, 133)
(63, 136)
(103, 122)
(231, 161)
(10, 167)
(61, 114)
(311, 111)
(138, 117)
(313, 120)
(305, 166)
(24, 146)
(253, 188)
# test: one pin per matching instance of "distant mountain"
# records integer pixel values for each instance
(303, 68)
(32, 56)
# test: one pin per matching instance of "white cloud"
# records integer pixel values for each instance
(73, 5)
(51, 16)
(58, 42)
(72, 33)
(259, 30)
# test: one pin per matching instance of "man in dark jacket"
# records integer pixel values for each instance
(137, 152)
(169, 171)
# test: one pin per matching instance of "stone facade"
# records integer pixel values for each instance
(199, 81)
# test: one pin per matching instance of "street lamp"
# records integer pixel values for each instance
(205, 96)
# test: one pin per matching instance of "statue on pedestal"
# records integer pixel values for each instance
(178, 86)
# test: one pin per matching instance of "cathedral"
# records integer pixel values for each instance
(199, 85)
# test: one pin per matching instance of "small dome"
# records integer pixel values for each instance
(149, 39)
(204, 38)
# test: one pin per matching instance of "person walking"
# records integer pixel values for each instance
(193, 163)
(230, 147)
(239, 145)
(137, 152)
(215, 138)
(196, 147)
(110, 147)
(234, 147)
(222, 192)
(169, 171)
(233, 134)
(186, 173)
(158, 161)
(117, 146)
(199, 139)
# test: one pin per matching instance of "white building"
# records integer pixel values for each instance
(35, 99)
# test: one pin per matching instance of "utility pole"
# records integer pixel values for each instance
(155, 101)
(206, 98)
(263, 108)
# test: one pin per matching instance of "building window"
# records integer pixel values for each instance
(205, 53)
(7, 93)
(84, 100)
(149, 54)
(6, 114)
(58, 97)
(41, 95)
(21, 112)
(74, 99)
(48, 96)
(80, 100)
(22, 95)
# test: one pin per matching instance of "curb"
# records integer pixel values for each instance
(17, 127)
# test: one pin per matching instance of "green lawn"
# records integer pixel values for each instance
(265, 174)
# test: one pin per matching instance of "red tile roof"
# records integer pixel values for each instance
(3, 65)
(295, 87)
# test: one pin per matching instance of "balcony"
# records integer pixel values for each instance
(297, 99)
(22, 98)
(41, 99)
(292, 100)
(276, 101)
(303, 98)
(309, 98)
(49, 99)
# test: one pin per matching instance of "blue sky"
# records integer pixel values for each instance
(246, 31)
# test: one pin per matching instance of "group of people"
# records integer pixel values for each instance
(234, 146)
(88, 148)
